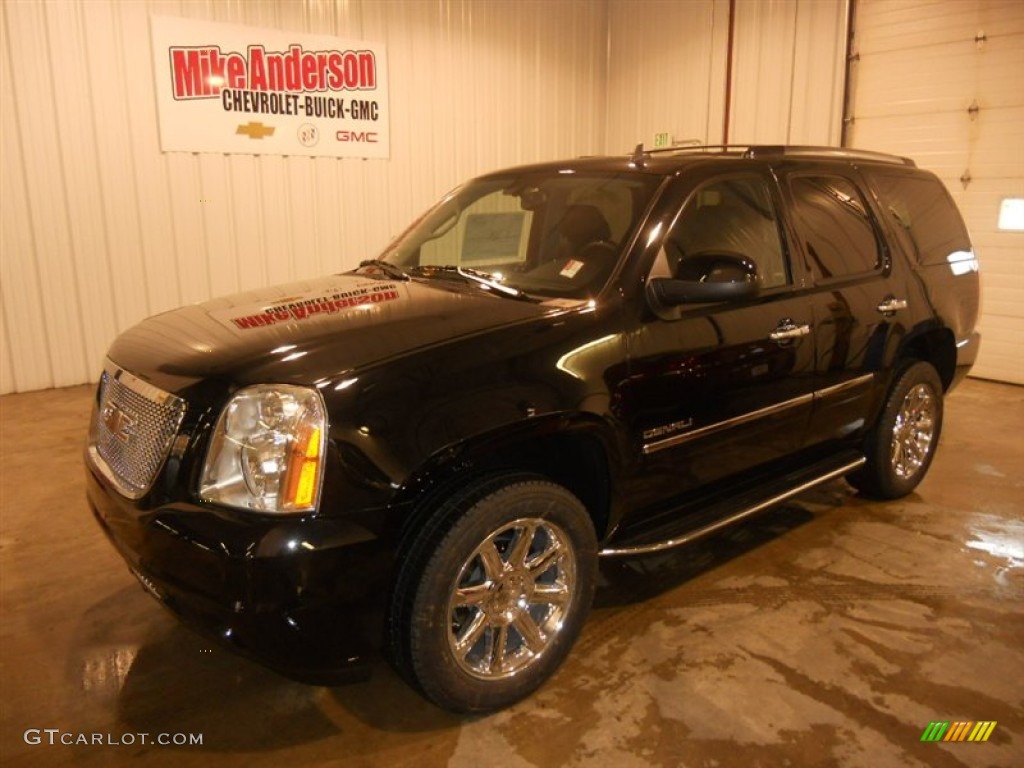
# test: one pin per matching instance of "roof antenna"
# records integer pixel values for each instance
(637, 160)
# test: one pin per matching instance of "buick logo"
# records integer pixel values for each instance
(118, 423)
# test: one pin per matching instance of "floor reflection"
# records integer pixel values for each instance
(999, 537)
(176, 684)
(141, 671)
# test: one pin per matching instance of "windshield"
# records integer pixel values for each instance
(550, 234)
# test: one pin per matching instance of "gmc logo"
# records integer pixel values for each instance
(367, 137)
(119, 423)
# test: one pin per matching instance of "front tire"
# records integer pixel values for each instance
(494, 592)
(902, 444)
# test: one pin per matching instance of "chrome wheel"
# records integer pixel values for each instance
(510, 598)
(901, 444)
(913, 431)
(494, 591)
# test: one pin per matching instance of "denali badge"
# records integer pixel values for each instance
(119, 423)
(675, 426)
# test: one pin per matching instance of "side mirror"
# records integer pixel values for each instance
(706, 278)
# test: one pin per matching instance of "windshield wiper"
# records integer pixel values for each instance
(391, 270)
(471, 275)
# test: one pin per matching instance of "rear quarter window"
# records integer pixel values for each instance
(927, 223)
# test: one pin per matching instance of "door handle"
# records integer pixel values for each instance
(787, 329)
(890, 305)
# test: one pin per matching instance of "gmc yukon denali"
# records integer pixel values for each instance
(424, 457)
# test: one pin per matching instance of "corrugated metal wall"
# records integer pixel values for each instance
(667, 71)
(100, 229)
(788, 72)
(940, 81)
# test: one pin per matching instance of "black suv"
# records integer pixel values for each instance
(599, 357)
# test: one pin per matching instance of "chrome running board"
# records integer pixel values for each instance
(734, 516)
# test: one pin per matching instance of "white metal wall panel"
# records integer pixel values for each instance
(924, 65)
(788, 72)
(100, 229)
(763, 70)
(56, 304)
(23, 336)
(819, 74)
(116, 184)
(667, 71)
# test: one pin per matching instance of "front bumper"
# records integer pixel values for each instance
(305, 596)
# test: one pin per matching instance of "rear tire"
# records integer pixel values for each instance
(902, 444)
(493, 593)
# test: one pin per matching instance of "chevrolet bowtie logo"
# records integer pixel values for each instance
(255, 130)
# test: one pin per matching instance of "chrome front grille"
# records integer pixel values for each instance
(133, 431)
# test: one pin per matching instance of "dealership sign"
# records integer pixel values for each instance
(227, 88)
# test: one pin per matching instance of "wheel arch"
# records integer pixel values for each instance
(574, 450)
(934, 345)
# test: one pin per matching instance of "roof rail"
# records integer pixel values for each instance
(698, 148)
(779, 151)
(842, 153)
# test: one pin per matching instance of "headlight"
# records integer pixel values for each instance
(267, 449)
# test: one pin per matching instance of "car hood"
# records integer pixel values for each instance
(308, 332)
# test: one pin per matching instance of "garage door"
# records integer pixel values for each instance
(941, 81)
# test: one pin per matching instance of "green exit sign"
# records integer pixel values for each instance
(662, 140)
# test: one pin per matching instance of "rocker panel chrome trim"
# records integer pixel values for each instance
(710, 429)
(835, 389)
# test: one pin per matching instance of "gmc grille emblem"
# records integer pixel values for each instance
(119, 423)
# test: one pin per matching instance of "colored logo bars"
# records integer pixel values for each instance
(960, 731)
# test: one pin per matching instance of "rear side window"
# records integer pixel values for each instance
(927, 222)
(834, 227)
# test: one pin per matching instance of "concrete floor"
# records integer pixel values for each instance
(831, 631)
